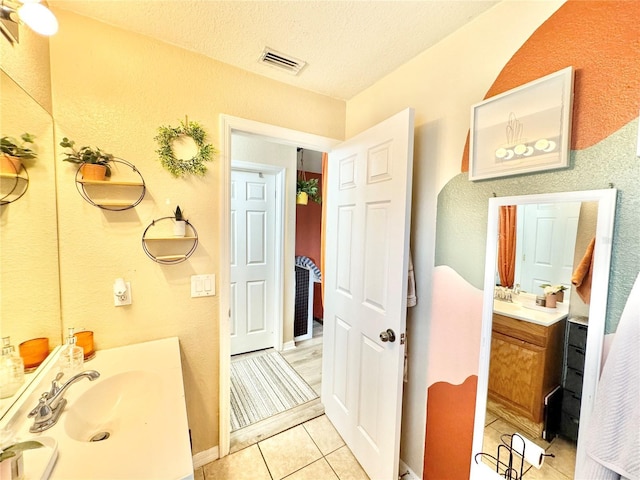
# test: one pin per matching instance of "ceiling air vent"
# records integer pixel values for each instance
(280, 60)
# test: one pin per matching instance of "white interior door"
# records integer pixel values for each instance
(252, 261)
(367, 252)
(546, 240)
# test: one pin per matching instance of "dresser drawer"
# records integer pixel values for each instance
(578, 335)
(569, 426)
(573, 381)
(575, 358)
(571, 403)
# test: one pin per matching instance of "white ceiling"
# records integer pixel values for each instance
(348, 45)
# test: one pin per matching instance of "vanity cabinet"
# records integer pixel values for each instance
(526, 364)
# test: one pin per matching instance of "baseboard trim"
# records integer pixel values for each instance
(407, 472)
(207, 456)
(291, 345)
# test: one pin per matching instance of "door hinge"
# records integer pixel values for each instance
(403, 338)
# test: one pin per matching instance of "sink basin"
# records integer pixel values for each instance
(124, 402)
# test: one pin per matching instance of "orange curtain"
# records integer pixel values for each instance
(507, 245)
(325, 178)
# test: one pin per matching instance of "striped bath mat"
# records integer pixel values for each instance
(262, 386)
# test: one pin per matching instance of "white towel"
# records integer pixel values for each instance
(613, 440)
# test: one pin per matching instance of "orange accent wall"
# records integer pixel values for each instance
(601, 40)
(308, 237)
(450, 414)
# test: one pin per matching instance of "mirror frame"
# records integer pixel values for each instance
(597, 308)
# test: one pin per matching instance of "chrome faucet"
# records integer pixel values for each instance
(503, 293)
(52, 403)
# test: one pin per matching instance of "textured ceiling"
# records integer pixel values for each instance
(348, 45)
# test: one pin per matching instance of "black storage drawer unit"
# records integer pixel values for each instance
(572, 376)
(571, 404)
(575, 358)
(578, 335)
(569, 426)
(573, 381)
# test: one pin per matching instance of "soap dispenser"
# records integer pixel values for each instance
(71, 356)
(11, 369)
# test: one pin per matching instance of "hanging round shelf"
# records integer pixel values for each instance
(169, 257)
(83, 185)
(13, 186)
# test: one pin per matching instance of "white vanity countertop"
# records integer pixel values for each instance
(532, 313)
(146, 416)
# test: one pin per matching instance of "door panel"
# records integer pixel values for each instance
(547, 234)
(367, 253)
(252, 261)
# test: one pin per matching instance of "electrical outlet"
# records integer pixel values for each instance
(125, 298)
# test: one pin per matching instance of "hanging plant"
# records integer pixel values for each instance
(310, 188)
(306, 189)
(180, 167)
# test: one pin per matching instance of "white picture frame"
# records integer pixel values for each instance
(526, 129)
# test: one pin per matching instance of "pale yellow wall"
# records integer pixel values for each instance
(27, 62)
(441, 84)
(112, 89)
(248, 148)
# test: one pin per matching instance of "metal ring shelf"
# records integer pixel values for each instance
(17, 178)
(113, 206)
(169, 259)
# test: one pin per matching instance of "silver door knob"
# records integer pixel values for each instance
(388, 336)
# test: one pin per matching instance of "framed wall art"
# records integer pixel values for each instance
(526, 129)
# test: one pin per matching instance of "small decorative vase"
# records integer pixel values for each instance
(560, 296)
(550, 300)
(92, 171)
(302, 198)
(179, 228)
(9, 164)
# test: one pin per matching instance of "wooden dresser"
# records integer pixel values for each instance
(526, 365)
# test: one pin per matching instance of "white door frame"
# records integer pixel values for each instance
(229, 125)
(278, 247)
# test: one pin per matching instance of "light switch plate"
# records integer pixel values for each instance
(203, 285)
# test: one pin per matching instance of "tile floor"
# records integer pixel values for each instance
(311, 451)
(560, 467)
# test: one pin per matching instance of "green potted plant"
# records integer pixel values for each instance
(179, 228)
(308, 189)
(553, 294)
(15, 151)
(94, 163)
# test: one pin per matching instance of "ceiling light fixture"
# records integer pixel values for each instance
(30, 12)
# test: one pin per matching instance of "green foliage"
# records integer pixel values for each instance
(13, 450)
(89, 155)
(19, 148)
(178, 213)
(178, 167)
(549, 289)
(310, 187)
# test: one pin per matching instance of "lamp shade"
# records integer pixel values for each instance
(39, 18)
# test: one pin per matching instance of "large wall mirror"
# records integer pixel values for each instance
(539, 365)
(29, 276)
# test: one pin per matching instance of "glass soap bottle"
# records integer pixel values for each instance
(11, 369)
(71, 357)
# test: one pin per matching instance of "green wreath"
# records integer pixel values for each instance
(179, 167)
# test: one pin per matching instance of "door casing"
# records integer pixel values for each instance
(230, 125)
